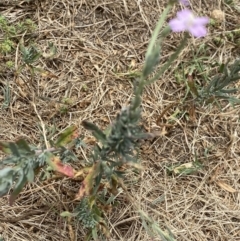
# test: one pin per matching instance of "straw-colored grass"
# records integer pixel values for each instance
(98, 44)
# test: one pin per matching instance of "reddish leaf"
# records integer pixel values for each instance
(58, 166)
(87, 183)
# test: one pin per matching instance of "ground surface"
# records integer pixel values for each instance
(99, 43)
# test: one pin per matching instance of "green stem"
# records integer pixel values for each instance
(157, 30)
(169, 62)
(142, 82)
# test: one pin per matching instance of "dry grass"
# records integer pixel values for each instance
(99, 42)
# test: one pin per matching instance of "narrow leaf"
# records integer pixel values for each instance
(6, 179)
(67, 136)
(66, 214)
(30, 175)
(100, 136)
(18, 188)
(14, 149)
(192, 86)
(87, 184)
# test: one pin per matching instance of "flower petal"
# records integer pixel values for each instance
(176, 25)
(201, 20)
(184, 14)
(198, 31)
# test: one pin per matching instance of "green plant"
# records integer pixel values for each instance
(10, 32)
(29, 56)
(217, 87)
(6, 46)
(24, 162)
(117, 146)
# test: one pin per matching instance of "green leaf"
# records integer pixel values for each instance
(4, 147)
(66, 214)
(94, 234)
(30, 55)
(229, 91)
(221, 68)
(22, 181)
(30, 175)
(23, 145)
(14, 149)
(6, 180)
(67, 136)
(98, 134)
(51, 52)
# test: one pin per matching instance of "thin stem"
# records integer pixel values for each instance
(157, 30)
(142, 82)
(169, 62)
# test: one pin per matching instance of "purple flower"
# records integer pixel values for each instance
(186, 21)
(184, 2)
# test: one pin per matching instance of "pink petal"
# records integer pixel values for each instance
(184, 14)
(201, 20)
(198, 31)
(177, 25)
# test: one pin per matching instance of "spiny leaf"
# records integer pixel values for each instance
(67, 136)
(30, 55)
